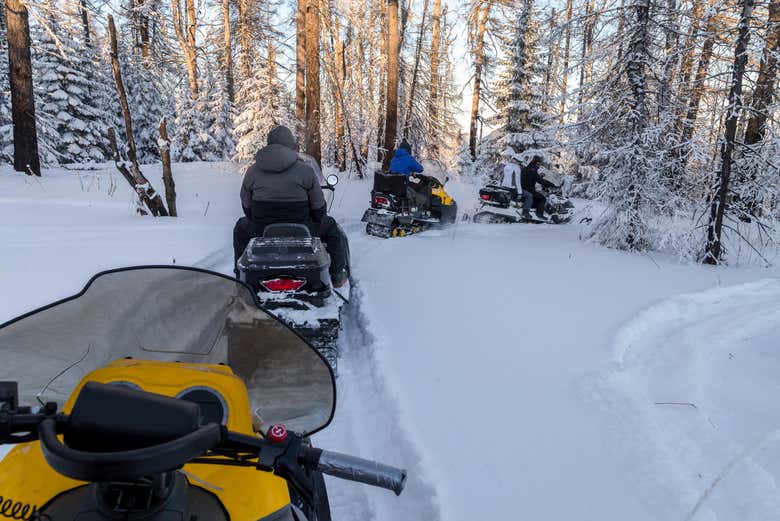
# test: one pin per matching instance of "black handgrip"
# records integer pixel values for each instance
(357, 469)
(125, 465)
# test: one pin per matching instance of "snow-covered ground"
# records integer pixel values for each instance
(516, 371)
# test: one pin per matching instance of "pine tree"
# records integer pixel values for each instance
(148, 104)
(220, 131)
(262, 104)
(525, 126)
(74, 123)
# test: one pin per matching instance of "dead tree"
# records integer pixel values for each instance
(167, 173)
(139, 182)
(391, 96)
(713, 250)
(20, 80)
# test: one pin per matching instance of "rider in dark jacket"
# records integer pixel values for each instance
(280, 187)
(529, 177)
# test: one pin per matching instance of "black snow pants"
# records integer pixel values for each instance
(328, 230)
(535, 199)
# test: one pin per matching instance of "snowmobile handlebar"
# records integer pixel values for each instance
(356, 469)
(103, 441)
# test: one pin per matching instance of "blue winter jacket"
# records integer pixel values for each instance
(404, 163)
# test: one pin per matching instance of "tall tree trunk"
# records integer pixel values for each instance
(566, 54)
(689, 51)
(142, 21)
(338, 112)
(391, 96)
(84, 14)
(433, 100)
(185, 25)
(479, 57)
(670, 52)
(549, 74)
(764, 92)
(585, 55)
(300, 69)
(167, 173)
(142, 185)
(688, 120)
(20, 80)
(382, 84)
(415, 72)
(713, 251)
(245, 36)
(312, 144)
(227, 51)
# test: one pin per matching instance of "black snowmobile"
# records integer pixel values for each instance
(288, 269)
(499, 204)
(402, 205)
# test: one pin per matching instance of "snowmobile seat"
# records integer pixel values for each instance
(393, 184)
(292, 230)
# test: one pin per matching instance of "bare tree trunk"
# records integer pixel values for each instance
(227, 51)
(338, 112)
(20, 80)
(566, 54)
(689, 51)
(479, 56)
(300, 69)
(245, 35)
(585, 56)
(767, 75)
(312, 144)
(415, 72)
(548, 73)
(697, 90)
(167, 173)
(185, 25)
(84, 14)
(713, 251)
(382, 85)
(391, 97)
(141, 185)
(433, 101)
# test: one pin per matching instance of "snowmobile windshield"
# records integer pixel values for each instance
(435, 168)
(169, 314)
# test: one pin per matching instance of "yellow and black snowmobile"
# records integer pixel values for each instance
(166, 394)
(402, 205)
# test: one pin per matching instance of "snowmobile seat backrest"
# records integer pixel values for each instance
(287, 230)
(393, 184)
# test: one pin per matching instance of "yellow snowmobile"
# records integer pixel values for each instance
(166, 393)
(402, 205)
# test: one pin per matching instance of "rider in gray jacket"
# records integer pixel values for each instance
(282, 187)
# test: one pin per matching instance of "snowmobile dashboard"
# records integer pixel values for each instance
(116, 433)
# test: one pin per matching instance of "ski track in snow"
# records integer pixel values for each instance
(679, 389)
(368, 423)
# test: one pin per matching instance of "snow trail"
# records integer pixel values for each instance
(368, 423)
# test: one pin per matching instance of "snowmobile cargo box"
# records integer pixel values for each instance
(393, 184)
(285, 252)
(497, 195)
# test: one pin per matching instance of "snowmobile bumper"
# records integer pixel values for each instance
(379, 217)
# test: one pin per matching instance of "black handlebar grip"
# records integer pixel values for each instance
(362, 470)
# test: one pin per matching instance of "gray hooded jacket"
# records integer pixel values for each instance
(280, 186)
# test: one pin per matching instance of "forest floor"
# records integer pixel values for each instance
(516, 371)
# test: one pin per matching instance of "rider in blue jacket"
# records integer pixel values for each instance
(403, 162)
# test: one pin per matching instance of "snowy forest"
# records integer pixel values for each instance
(663, 113)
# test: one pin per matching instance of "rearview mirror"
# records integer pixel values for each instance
(332, 180)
